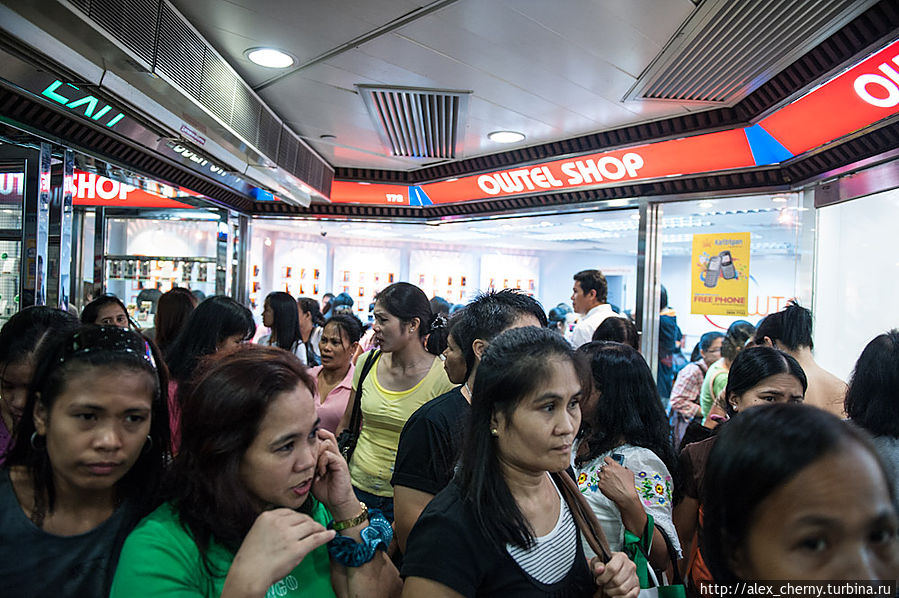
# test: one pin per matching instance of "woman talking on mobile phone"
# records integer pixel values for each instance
(250, 495)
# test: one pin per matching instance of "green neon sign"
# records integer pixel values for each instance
(86, 105)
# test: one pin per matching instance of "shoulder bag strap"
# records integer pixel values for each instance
(584, 517)
(356, 414)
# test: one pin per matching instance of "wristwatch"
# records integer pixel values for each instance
(346, 523)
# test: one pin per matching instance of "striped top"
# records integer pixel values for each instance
(550, 558)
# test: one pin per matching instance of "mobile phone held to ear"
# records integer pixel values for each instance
(728, 272)
(711, 274)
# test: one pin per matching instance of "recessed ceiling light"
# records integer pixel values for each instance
(270, 58)
(779, 199)
(705, 205)
(506, 136)
(588, 219)
(635, 216)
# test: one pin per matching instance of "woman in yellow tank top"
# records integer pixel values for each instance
(406, 374)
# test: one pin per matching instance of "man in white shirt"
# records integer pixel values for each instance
(589, 300)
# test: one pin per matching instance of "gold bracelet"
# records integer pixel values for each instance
(346, 523)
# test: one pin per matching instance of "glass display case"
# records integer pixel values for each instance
(12, 193)
(147, 257)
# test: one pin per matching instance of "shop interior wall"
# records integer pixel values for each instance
(306, 253)
(856, 282)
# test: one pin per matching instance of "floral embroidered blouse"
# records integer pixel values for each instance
(654, 487)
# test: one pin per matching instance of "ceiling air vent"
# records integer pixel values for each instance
(726, 49)
(418, 123)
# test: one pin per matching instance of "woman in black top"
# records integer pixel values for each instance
(85, 467)
(502, 528)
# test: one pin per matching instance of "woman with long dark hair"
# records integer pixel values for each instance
(172, 311)
(406, 373)
(88, 457)
(216, 324)
(250, 493)
(872, 401)
(758, 375)
(334, 377)
(311, 323)
(814, 501)
(625, 460)
(502, 526)
(279, 314)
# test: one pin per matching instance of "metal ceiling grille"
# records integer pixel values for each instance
(727, 49)
(159, 35)
(418, 123)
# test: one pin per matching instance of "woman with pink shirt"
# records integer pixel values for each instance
(334, 377)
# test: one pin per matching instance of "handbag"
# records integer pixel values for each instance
(348, 437)
(637, 548)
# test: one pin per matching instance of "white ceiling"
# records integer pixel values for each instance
(549, 69)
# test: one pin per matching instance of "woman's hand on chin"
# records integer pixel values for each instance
(278, 541)
(331, 484)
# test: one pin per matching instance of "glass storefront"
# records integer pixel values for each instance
(453, 260)
(856, 279)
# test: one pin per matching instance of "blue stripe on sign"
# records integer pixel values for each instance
(765, 148)
(417, 197)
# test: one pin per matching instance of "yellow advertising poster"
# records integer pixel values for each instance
(720, 273)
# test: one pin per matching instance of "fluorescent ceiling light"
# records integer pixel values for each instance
(506, 136)
(270, 57)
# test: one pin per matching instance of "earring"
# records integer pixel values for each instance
(147, 445)
(34, 437)
(494, 432)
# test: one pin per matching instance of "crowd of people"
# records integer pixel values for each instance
(491, 451)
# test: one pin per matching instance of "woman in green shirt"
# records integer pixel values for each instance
(250, 493)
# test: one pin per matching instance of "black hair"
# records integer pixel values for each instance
(663, 297)
(737, 334)
(512, 367)
(489, 314)
(619, 330)
(326, 304)
(24, 333)
(439, 305)
(792, 327)
(705, 341)
(347, 324)
(872, 400)
(285, 319)
(593, 280)
(221, 416)
(629, 408)
(91, 311)
(755, 364)
(86, 348)
(406, 301)
(311, 306)
(757, 453)
(172, 311)
(213, 321)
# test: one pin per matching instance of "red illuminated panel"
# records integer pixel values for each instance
(350, 192)
(94, 190)
(702, 153)
(861, 96)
